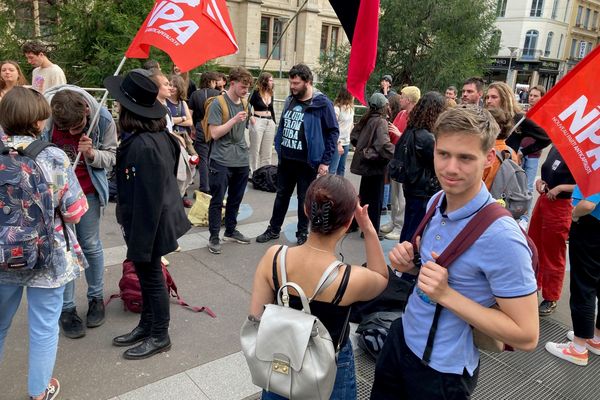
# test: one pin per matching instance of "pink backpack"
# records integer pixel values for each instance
(131, 292)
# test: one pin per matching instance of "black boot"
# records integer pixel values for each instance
(71, 324)
(129, 339)
(149, 347)
(95, 314)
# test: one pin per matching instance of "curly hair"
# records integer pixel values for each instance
(426, 111)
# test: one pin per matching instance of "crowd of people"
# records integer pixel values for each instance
(451, 149)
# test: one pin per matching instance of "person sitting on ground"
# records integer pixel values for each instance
(331, 203)
(22, 115)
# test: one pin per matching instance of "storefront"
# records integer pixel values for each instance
(523, 72)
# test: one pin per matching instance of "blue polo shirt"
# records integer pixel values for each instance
(595, 198)
(498, 264)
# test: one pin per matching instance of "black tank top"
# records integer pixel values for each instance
(332, 315)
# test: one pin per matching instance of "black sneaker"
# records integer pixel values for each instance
(301, 238)
(214, 245)
(269, 234)
(547, 307)
(236, 237)
(71, 324)
(95, 314)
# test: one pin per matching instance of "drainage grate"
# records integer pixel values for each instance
(519, 375)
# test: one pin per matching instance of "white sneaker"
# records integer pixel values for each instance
(393, 235)
(567, 352)
(387, 228)
(589, 343)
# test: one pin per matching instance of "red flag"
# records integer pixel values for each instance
(190, 31)
(570, 114)
(360, 19)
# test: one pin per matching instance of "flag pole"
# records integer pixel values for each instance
(96, 116)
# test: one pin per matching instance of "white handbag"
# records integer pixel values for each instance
(289, 351)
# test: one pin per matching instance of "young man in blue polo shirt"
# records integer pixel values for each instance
(496, 269)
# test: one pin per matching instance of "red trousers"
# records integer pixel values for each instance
(549, 230)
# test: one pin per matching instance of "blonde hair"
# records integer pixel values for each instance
(508, 103)
(20, 111)
(469, 120)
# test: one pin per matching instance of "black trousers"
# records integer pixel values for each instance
(291, 174)
(232, 180)
(155, 309)
(400, 374)
(414, 211)
(371, 193)
(201, 148)
(584, 255)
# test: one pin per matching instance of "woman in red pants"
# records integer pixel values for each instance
(549, 228)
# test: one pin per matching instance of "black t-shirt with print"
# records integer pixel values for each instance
(555, 172)
(293, 139)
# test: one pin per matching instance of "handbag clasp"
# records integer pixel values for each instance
(281, 367)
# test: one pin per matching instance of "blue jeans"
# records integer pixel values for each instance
(338, 162)
(345, 379)
(530, 166)
(88, 236)
(44, 306)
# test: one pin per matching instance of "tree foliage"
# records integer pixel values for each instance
(88, 38)
(332, 70)
(435, 43)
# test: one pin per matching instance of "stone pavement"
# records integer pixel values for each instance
(205, 361)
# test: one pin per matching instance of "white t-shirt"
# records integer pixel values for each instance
(345, 118)
(44, 78)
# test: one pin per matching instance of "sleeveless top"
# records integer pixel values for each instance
(177, 110)
(332, 315)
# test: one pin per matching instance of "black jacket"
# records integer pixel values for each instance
(360, 137)
(528, 128)
(423, 182)
(149, 206)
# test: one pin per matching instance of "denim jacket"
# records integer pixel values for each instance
(104, 141)
(320, 129)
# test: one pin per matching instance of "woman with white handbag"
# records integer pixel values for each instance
(331, 288)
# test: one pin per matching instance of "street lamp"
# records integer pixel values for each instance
(512, 49)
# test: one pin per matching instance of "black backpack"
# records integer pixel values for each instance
(265, 178)
(402, 168)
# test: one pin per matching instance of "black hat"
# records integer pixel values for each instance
(137, 93)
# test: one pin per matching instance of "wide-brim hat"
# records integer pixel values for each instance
(137, 93)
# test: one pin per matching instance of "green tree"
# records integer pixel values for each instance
(434, 43)
(332, 70)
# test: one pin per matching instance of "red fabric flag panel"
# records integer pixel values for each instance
(570, 114)
(190, 31)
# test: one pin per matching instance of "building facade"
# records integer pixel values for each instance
(584, 31)
(259, 24)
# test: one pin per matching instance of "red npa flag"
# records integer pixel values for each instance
(360, 20)
(570, 114)
(190, 31)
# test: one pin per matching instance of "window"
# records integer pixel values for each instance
(531, 38)
(329, 38)
(579, 13)
(555, 9)
(548, 44)
(586, 21)
(589, 48)
(560, 42)
(270, 31)
(595, 20)
(566, 11)
(537, 7)
(501, 8)
(573, 48)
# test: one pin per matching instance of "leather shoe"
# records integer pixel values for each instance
(149, 347)
(136, 335)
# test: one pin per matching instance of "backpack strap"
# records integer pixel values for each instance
(327, 278)
(428, 215)
(172, 288)
(465, 239)
(34, 148)
(224, 108)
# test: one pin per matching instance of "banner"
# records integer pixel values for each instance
(190, 31)
(360, 20)
(570, 114)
